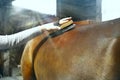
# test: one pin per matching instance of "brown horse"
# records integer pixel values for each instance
(89, 52)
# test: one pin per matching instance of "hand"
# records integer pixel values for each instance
(51, 26)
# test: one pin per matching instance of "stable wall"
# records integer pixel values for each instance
(79, 9)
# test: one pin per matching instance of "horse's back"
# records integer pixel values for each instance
(74, 56)
(79, 54)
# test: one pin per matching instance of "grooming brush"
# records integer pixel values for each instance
(64, 25)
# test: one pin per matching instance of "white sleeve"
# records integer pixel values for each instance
(19, 38)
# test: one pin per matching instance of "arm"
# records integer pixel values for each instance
(8, 41)
(22, 37)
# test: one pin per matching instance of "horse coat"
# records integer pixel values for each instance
(89, 52)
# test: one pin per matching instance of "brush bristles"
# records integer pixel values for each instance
(66, 24)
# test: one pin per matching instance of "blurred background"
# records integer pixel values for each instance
(110, 9)
(18, 15)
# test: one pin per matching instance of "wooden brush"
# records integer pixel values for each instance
(66, 24)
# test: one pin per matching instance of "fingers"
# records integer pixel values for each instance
(58, 28)
(67, 18)
(54, 28)
(50, 26)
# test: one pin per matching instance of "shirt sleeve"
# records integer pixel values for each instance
(9, 41)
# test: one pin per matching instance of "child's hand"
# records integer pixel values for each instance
(51, 26)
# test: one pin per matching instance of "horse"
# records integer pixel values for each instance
(14, 19)
(88, 52)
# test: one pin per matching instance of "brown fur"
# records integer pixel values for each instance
(89, 52)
